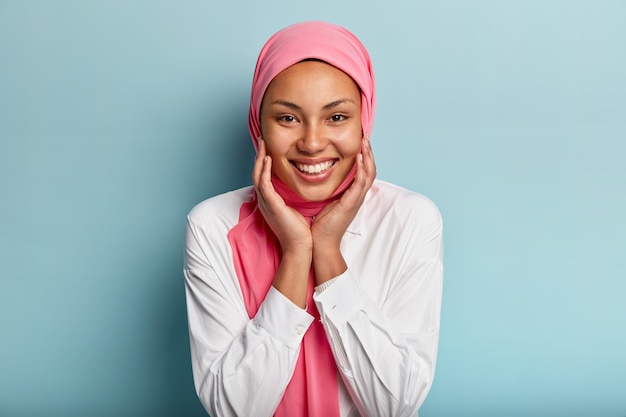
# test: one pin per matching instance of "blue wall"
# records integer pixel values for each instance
(117, 117)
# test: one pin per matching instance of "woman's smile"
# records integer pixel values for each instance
(313, 169)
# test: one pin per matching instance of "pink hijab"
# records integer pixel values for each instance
(312, 390)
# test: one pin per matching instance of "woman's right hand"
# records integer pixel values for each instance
(290, 227)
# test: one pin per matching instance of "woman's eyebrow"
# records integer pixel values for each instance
(289, 104)
(337, 103)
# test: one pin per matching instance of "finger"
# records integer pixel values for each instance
(258, 163)
(265, 179)
(272, 200)
(368, 161)
(354, 193)
(264, 175)
(365, 174)
(361, 175)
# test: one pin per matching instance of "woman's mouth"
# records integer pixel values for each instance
(314, 169)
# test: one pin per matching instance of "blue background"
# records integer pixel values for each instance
(116, 117)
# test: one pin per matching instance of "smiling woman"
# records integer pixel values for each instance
(316, 291)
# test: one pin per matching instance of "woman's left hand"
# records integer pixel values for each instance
(332, 222)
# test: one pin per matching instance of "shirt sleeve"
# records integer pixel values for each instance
(241, 366)
(386, 352)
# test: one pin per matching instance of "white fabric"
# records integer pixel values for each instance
(320, 288)
(381, 316)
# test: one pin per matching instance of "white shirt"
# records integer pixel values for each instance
(381, 316)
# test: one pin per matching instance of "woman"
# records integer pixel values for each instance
(317, 291)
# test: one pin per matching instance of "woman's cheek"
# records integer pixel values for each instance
(352, 141)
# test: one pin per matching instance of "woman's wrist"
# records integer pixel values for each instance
(298, 248)
(299, 256)
(328, 263)
(292, 276)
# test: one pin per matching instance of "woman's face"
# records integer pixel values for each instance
(311, 124)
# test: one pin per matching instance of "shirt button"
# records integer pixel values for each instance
(299, 330)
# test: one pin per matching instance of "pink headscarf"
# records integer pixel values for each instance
(312, 390)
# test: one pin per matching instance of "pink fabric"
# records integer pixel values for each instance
(312, 390)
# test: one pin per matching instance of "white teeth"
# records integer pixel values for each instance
(314, 169)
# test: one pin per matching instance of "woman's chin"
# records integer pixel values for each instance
(314, 193)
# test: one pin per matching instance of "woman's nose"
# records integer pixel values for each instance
(312, 140)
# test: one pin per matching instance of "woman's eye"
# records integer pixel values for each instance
(287, 119)
(337, 117)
